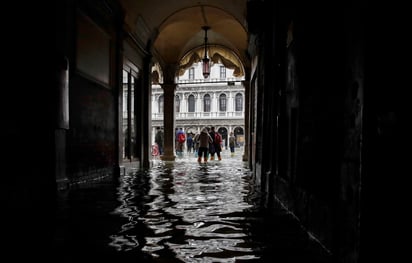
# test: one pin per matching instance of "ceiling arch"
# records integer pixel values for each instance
(217, 54)
(173, 29)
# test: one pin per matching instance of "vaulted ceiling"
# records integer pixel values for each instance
(173, 29)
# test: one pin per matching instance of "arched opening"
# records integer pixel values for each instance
(224, 133)
(239, 135)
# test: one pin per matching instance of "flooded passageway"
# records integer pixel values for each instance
(179, 211)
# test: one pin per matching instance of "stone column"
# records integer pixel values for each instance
(169, 121)
(184, 104)
(199, 104)
(230, 100)
(143, 114)
(62, 122)
(214, 104)
(169, 89)
(246, 110)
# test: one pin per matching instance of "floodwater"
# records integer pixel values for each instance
(179, 211)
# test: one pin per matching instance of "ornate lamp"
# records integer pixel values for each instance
(205, 60)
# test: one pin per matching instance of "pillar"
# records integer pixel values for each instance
(169, 121)
(143, 119)
(169, 89)
(246, 109)
(62, 122)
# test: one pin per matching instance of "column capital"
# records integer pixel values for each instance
(169, 73)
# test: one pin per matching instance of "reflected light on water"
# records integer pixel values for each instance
(189, 210)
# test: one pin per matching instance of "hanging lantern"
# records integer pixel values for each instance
(206, 60)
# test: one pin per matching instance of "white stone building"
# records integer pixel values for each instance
(218, 100)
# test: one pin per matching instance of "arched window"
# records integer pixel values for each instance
(239, 102)
(177, 103)
(222, 102)
(206, 103)
(191, 101)
(160, 103)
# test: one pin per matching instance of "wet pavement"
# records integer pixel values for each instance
(179, 211)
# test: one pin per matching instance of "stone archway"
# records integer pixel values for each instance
(239, 135)
(223, 132)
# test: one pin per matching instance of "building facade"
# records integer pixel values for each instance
(218, 101)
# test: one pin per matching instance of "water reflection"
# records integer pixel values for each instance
(178, 212)
(189, 211)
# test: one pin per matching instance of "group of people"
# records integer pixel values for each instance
(210, 143)
(205, 144)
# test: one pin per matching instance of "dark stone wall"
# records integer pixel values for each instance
(90, 140)
(327, 70)
(90, 37)
(314, 53)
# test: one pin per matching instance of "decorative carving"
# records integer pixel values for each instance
(227, 63)
(155, 77)
(194, 58)
(217, 54)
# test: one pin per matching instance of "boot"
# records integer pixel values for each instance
(220, 158)
(205, 160)
(212, 157)
(199, 159)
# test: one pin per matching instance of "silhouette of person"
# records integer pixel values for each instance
(159, 140)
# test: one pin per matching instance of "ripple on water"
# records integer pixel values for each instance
(187, 211)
